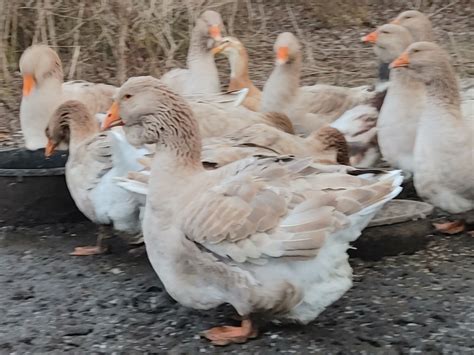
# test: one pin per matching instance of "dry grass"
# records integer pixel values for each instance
(110, 40)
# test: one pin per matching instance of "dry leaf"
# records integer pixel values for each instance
(450, 227)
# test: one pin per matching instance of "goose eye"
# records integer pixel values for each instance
(415, 51)
(385, 32)
(126, 97)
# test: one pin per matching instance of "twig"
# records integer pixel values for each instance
(3, 57)
(77, 47)
(459, 58)
(307, 45)
(443, 8)
(50, 21)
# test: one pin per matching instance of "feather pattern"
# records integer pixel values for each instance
(261, 233)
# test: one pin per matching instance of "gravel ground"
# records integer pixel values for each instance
(52, 302)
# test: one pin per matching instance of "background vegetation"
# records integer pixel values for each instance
(110, 40)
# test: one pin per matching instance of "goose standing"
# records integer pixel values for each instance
(398, 119)
(201, 77)
(263, 234)
(444, 147)
(94, 160)
(44, 90)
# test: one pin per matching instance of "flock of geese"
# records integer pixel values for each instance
(252, 197)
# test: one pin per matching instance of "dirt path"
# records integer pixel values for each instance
(50, 301)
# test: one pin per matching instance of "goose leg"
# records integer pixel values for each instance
(97, 249)
(227, 334)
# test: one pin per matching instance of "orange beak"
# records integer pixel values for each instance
(50, 148)
(215, 32)
(113, 117)
(28, 84)
(395, 21)
(401, 61)
(218, 49)
(282, 55)
(371, 37)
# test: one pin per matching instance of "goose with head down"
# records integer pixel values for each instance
(263, 234)
(94, 160)
(444, 146)
(201, 76)
(44, 90)
(325, 146)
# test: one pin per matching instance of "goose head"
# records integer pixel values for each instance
(39, 63)
(151, 113)
(70, 113)
(389, 41)
(209, 27)
(424, 61)
(287, 48)
(417, 23)
(229, 46)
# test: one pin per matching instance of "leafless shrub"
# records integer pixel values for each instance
(110, 40)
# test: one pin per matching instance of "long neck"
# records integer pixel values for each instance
(239, 71)
(201, 61)
(282, 86)
(81, 131)
(443, 89)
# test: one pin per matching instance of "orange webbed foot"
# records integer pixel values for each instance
(225, 335)
(89, 250)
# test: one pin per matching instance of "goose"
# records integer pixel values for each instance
(398, 119)
(201, 77)
(266, 235)
(308, 107)
(312, 107)
(444, 146)
(44, 90)
(417, 23)
(238, 58)
(420, 27)
(95, 158)
(217, 120)
(326, 145)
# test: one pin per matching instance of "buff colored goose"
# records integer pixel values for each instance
(44, 90)
(326, 145)
(201, 77)
(444, 147)
(94, 160)
(238, 58)
(308, 107)
(398, 119)
(217, 120)
(421, 29)
(262, 234)
(417, 23)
